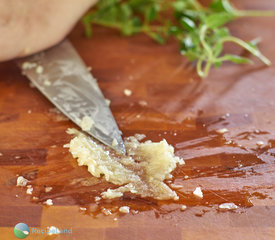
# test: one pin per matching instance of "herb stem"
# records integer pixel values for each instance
(203, 42)
(248, 47)
(147, 29)
(255, 13)
(199, 68)
(208, 50)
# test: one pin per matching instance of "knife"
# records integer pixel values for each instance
(61, 75)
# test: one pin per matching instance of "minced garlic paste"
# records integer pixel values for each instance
(142, 171)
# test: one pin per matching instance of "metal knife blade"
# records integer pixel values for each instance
(61, 75)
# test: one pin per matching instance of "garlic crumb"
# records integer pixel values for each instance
(198, 192)
(39, 69)
(222, 130)
(29, 190)
(260, 143)
(86, 123)
(228, 206)
(106, 212)
(49, 202)
(111, 193)
(139, 136)
(97, 198)
(21, 181)
(127, 92)
(176, 198)
(175, 186)
(115, 142)
(48, 189)
(142, 103)
(134, 211)
(124, 209)
(183, 207)
(28, 65)
(47, 83)
(108, 101)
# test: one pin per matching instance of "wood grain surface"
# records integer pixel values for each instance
(187, 111)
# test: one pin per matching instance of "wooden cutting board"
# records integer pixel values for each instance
(168, 101)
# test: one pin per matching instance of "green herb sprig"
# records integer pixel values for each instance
(200, 31)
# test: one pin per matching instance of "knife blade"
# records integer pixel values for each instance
(61, 75)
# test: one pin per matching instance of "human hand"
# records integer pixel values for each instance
(29, 26)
